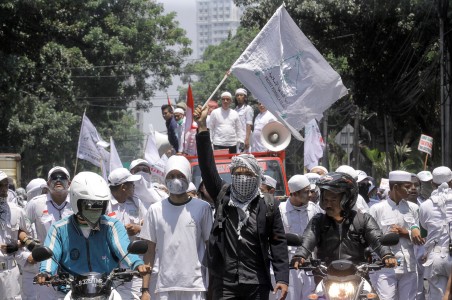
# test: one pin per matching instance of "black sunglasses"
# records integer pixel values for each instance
(58, 177)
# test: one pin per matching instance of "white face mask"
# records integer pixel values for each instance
(177, 186)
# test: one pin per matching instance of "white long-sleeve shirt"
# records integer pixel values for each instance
(226, 128)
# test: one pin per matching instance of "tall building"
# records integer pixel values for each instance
(215, 19)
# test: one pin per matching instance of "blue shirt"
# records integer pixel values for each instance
(100, 252)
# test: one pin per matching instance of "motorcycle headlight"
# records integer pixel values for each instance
(342, 291)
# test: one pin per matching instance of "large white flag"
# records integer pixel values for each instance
(313, 145)
(115, 160)
(287, 74)
(90, 144)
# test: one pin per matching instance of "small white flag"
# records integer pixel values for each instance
(90, 143)
(115, 160)
(313, 145)
(151, 153)
(287, 74)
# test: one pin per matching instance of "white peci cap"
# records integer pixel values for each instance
(399, 176)
(441, 174)
(298, 182)
(425, 176)
(3, 175)
(269, 181)
(348, 170)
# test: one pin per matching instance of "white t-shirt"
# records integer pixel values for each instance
(226, 128)
(9, 231)
(246, 115)
(181, 232)
(262, 119)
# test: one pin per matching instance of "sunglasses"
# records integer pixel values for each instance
(92, 204)
(58, 177)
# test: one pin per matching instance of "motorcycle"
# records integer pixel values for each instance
(342, 279)
(92, 285)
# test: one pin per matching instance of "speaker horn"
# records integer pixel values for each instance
(162, 143)
(275, 136)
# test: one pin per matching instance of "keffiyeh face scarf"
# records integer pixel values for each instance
(244, 188)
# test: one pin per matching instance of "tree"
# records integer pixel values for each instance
(215, 62)
(59, 57)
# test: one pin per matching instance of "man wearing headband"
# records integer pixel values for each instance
(246, 114)
(246, 228)
(225, 126)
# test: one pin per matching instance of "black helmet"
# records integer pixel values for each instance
(338, 182)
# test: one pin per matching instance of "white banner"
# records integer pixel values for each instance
(115, 160)
(158, 170)
(90, 143)
(151, 153)
(287, 74)
(313, 145)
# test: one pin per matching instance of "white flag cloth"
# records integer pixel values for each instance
(151, 153)
(115, 160)
(158, 170)
(105, 164)
(90, 144)
(287, 74)
(313, 145)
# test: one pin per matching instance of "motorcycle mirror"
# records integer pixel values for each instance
(41, 253)
(389, 239)
(293, 239)
(138, 247)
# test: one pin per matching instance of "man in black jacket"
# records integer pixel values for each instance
(246, 235)
(341, 233)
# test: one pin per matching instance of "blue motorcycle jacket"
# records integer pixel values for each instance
(100, 252)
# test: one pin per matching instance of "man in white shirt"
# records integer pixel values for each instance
(263, 118)
(296, 213)
(398, 215)
(246, 115)
(226, 129)
(128, 209)
(42, 211)
(12, 223)
(435, 216)
(180, 225)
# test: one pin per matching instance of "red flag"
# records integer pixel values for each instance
(189, 111)
(169, 100)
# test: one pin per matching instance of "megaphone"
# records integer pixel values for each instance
(162, 143)
(275, 136)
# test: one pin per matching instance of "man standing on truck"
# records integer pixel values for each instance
(247, 228)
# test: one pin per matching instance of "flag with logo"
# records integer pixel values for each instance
(313, 145)
(287, 74)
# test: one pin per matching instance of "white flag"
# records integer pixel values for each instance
(313, 145)
(158, 170)
(105, 163)
(287, 74)
(90, 143)
(151, 153)
(115, 160)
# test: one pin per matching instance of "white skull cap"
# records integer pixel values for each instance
(441, 174)
(399, 176)
(348, 170)
(425, 176)
(298, 182)
(226, 94)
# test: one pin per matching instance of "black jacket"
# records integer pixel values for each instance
(272, 239)
(323, 232)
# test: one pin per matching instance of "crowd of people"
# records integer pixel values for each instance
(225, 240)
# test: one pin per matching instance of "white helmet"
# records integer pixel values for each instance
(94, 190)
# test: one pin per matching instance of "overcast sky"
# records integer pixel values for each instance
(186, 16)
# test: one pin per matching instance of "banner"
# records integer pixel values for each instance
(90, 143)
(313, 145)
(425, 144)
(287, 74)
(115, 160)
(158, 170)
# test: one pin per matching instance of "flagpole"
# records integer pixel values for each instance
(218, 86)
(78, 146)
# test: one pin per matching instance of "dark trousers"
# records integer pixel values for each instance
(232, 149)
(223, 290)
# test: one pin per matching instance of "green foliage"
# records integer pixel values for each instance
(215, 62)
(59, 57)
